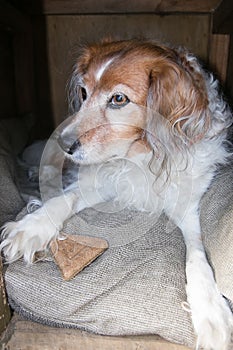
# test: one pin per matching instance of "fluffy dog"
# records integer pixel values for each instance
(142, 105)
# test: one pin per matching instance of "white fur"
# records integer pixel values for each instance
(102, 69)
(131, 183)
(35, 230)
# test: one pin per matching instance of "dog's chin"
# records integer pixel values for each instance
(88, 154)
(81, 158)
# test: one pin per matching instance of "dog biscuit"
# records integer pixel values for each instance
(75, 252)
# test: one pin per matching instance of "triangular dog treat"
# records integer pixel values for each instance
(74, 252)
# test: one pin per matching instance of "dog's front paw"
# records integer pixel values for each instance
(213, 323)
(25, 237)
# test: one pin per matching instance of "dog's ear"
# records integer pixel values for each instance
(74, 88)
(178, 93)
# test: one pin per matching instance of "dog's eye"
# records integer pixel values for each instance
(83, 93)
(118, 100)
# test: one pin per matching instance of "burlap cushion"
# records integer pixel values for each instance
(13, 138)
(138, 285)
(217, 225)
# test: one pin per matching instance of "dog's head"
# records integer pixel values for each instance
(121, 91)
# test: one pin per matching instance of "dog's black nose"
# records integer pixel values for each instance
(74, 147)
(68, 145)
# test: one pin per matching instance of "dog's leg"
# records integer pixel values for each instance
(35, 230)
(211, 316)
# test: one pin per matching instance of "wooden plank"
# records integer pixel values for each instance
(4, 307)
(112, 6)
(44, 121)
(7, 89)
(24, 70)
(11, 18)
(18, 27)
(223, 18)
(229, 84)
(218, 57)
(26, 335)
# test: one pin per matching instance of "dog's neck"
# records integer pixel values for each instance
(138, 147)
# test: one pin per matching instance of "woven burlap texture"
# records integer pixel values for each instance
(138, 285)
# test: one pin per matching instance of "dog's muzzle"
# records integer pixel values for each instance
(76, 146)
(71, 147)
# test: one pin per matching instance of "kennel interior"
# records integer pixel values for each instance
(38, 47)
